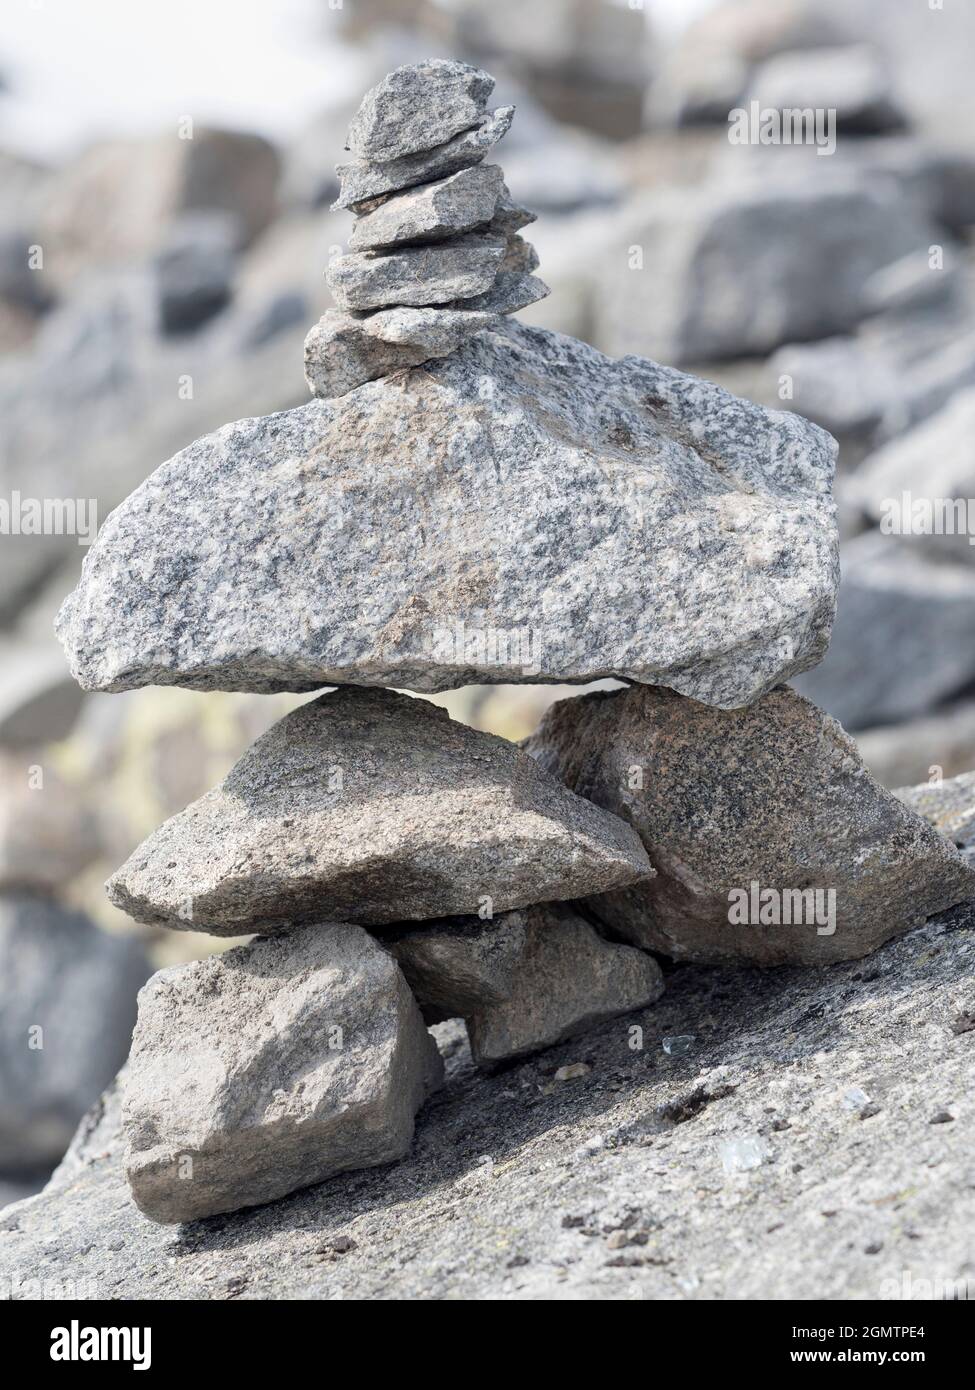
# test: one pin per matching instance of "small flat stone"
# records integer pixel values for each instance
(343, 351)
(568, 979)
(269, 1068)
(417, 107)
(713, 797)
(419, 275)
(431, 212)
(519, 256)
(369, 806)
(512, 290)
(460, 964)
(363, 181)
(523, 980)
(510, 216)
(340, 355)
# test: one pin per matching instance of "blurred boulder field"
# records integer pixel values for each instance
(158, 283)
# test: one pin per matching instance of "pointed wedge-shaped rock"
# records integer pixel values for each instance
(373, 807)
(772, 842)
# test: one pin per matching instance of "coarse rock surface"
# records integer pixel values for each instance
(48, 833)
(417, 107)
(523, 980)
(787, 1150)
(67, 1006)
(271, 1067)
(523, 510)
(343, 351)
(699, 293)
(416, 275)
(568, 979)
(713, 795)
(373, 807)
(362, 180)
(433, 211)
(904, 637)
(949, 806)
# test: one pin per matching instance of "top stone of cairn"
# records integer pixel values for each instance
(417, 107)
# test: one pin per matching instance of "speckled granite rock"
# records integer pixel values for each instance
(742, 811)
(67, 1006)
(363, 180)
(433, 211)
(269, 1068)
(568, 979)
(520, 1187)
(417, 107)
(416, 275)
(949, 806)
(523, 510)
(372, 807)
(343, 350)
(523, 980)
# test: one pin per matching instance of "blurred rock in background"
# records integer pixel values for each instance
(157, 283)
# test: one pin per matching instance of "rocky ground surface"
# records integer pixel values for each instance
(797, 1133)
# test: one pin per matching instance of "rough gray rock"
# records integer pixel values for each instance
(852, 80)
(518, 1186)
(947, 805)
(372, 807)
(904, 637)
(460, 964)
(519, 256)
(431, 212)
(48, 833)
(524, 510)
(343, 351)
(362, 180)
(417, 275)
(511, 291)
(698, 292)
(922, 483)
(417, 107)
(68, 1005)
(524, 980)
(738, 809)
(568, 979)
(269, 1068)
(509, 215)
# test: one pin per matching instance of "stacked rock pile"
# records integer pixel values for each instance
(436, 252)
(471, 500)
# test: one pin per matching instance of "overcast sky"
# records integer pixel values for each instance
(85, 68)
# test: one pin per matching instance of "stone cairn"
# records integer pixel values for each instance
(457, 480)
(436, 251)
